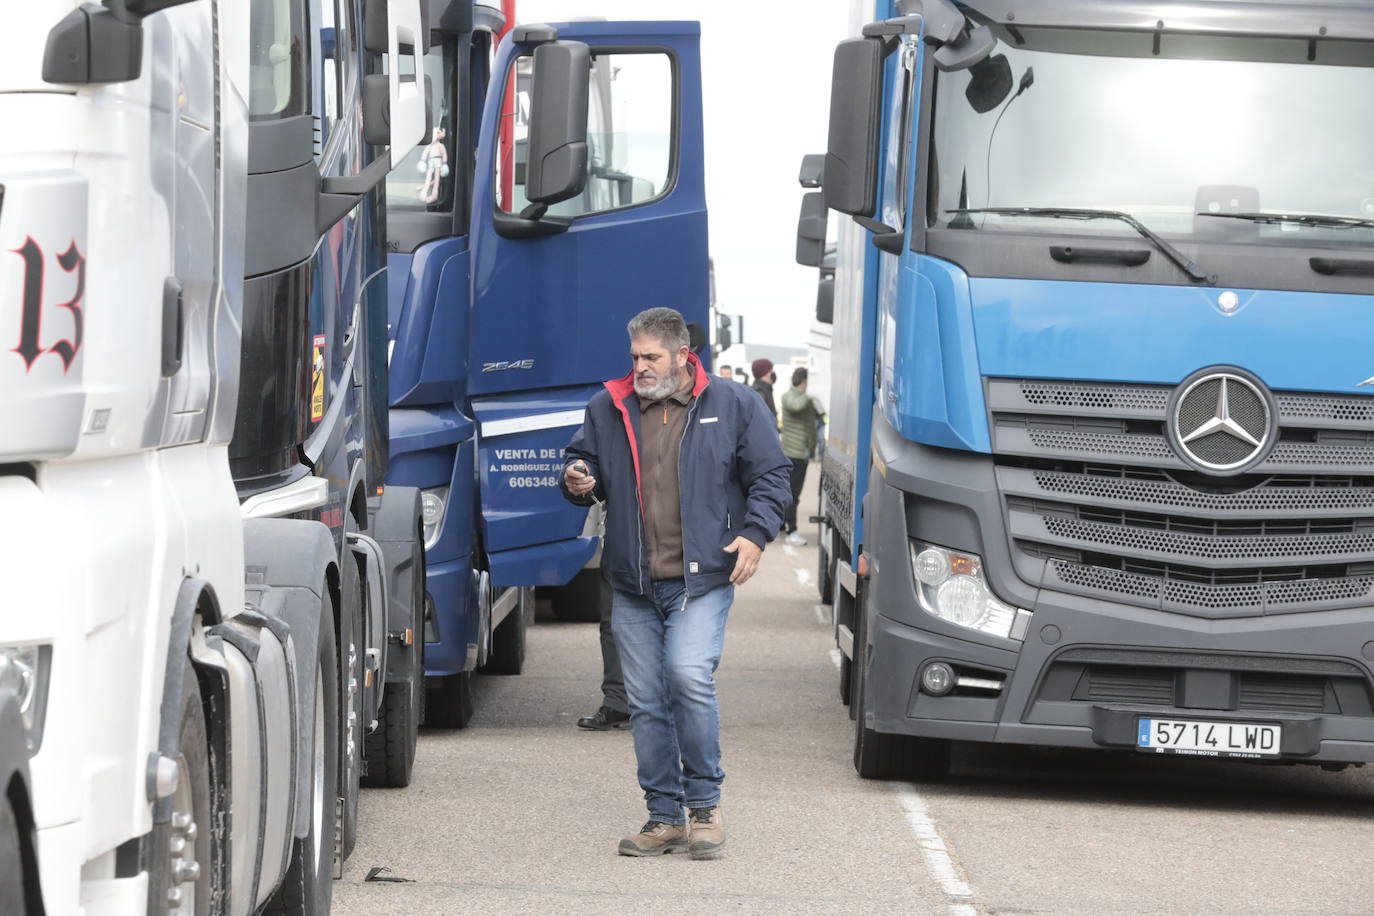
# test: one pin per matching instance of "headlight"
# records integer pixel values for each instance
(951, 586)
(432, 504)
(24, 671)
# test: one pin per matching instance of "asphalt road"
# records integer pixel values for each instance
(521, 811)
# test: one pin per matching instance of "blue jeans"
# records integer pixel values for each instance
(669, 647)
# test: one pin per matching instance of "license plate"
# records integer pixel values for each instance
(1208, 739)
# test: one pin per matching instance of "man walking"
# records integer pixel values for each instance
(801, 416)
(695, 484)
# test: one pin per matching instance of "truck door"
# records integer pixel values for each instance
(552, 294)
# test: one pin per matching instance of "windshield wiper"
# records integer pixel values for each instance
(1169, 251)
(1305, 219)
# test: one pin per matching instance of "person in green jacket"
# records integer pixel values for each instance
(802, 414)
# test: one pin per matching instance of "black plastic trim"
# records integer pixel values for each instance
(1024, 255)
(194, 594)
(280, 144)
(1236, 17)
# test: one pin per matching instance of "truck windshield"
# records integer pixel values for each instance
(1210, 125)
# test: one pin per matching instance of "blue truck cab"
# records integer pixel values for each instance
(1100, 471)
(509, 296)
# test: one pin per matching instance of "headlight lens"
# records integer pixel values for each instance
(24, 670)
(950, 585)
(433, 502)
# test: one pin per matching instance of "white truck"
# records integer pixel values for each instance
(172, 648)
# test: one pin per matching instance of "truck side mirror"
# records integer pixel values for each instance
(812, 170)
(851, 156)
(556, 167)
(811, 229)
(96, 44)
(989, 83)
(825, 300)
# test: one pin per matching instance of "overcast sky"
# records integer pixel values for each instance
(766, 86)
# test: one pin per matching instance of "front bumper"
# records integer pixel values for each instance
(1089, 668)
(449, 588)
(1091, 692)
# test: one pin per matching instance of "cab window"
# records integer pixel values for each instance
(630, 134)
(277, 60)
(424, 179)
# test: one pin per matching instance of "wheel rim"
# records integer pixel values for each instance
(317, 752)
(183, 869)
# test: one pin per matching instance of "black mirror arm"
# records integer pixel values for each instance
(885, 237)
(511, 226)
(339, 194)
(891, 28)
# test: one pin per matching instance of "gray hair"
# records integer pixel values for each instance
(663, 324)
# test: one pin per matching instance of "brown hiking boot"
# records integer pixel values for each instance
(655, 839)
(708, 832)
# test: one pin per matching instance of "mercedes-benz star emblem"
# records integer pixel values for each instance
(1221, 421)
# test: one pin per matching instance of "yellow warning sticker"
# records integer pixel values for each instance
(317, 381)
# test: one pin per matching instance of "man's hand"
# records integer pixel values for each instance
(578, 478)
(746, 561)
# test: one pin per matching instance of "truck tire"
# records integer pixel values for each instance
(508, 642)
(825, 571)
(390, 749)
(352, 728)
(12, 901)
(879, 755)
(583, 599)
(180, 864)
(449, 703)
(308, 886)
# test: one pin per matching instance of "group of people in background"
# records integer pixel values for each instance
(799, 421)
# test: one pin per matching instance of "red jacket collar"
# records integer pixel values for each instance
(620, 388)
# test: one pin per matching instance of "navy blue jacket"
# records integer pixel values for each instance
(732, 479)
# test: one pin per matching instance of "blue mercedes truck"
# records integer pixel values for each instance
(561, 193)
(1100, 471)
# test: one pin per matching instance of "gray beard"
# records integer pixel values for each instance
(662, 391)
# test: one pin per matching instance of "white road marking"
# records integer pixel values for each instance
(939, 865)
(836, 657)
(822, 613)
(803, 575)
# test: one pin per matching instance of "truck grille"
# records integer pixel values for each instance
(1092, 487)
(1157, 687)
(1250, 683)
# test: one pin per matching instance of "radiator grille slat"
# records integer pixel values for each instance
(1092, 485)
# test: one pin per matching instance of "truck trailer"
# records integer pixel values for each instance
(200, 645)
(508, 295)
(1100, 471)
